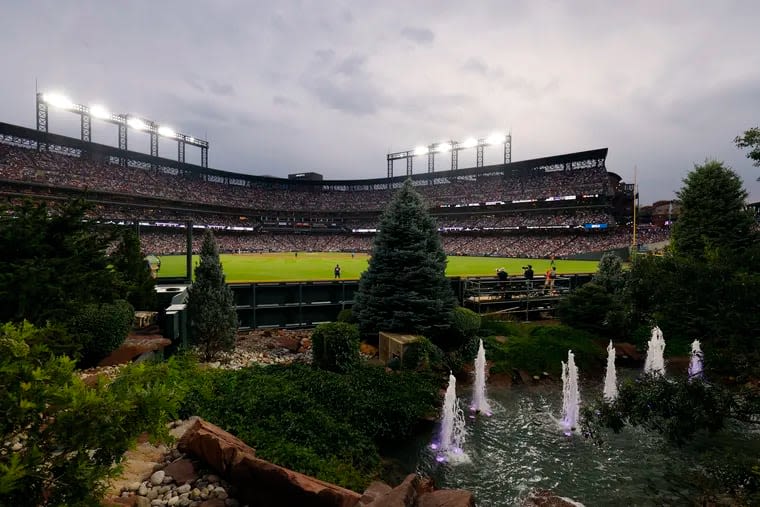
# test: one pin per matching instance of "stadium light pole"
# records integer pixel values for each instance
(454, 147)
(123, 121)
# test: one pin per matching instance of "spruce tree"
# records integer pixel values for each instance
(405, 287)
(135, 276)
(211, 305)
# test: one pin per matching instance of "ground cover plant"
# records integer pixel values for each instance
(264, 267)
(320, 423)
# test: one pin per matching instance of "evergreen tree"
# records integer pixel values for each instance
(609, 273)
(751, 140)
(713, 213)
(51, 262)
(211, 305)
(405, 287)
(135, 276)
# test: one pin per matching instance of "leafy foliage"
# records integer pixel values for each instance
(335, 346)
(713, 215)
(750, 139)
(464, 325)
(346, 315)
(609, 274)
(422, 355)
(538, 349)
(211, 304)
(67, 436)
(405, 288)
(315, 421)
(135, 277)
(593, 309)
(674, 406)
(101, 329)
(51, 261)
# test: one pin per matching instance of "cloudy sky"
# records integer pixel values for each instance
(332, 86)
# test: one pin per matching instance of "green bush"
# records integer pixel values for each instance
(542, 348)
(422, 355)
(101, 329)
(347, 316)
(335, 346)
(591, 308)
(68, 436)
(314, 421)
(464, 325)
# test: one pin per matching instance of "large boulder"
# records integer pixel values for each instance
(135, 346)
(543, 498)
(403, 495)
(259, 482)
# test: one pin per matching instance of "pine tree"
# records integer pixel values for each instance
(135, 275)
(713, 213)
(211, 305)
(405, 287)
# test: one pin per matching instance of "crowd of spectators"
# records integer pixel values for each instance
(163, 241)
(65, 171)
(267, 212)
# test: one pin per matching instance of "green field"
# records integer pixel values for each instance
(319, 266)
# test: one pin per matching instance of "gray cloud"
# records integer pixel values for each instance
(419, 35)
(272, 84)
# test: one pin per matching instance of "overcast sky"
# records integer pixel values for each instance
(333, 86)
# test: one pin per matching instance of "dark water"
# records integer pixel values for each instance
(520, 448)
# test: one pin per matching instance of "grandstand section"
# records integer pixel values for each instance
(561, 205)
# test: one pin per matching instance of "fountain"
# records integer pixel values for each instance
(571, 396)
(610, 392)
(449, 448)
(696, 366)
(655, 362)
(479, 400)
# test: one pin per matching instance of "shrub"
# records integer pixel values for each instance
(464, 325)
(542, 348)
(101, 329)
(68, 436)
(422, 355)
(346, 315)
(591, 308)
(335, 346)
(314, 421)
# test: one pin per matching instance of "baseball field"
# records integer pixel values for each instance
(267, 267)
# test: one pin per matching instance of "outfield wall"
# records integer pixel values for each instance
(306, 304)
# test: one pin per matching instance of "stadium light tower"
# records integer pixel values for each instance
(454, 147)
(123, 121)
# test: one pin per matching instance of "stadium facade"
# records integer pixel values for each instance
(560, 205)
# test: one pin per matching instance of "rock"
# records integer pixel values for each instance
(368, 350)
(259, 482)
(214, 502)
(152, 494)
(185, 488)
(403, 495)
(135, 346)
(627, 350)
(133, 486)
(142, 502)
(447, 498)
(183, 471)
(143, 489)
(17, 446)
(288, 342)
(157, 478)
(157, 503)
(168, 479)
(543, 498)
(524, 376)
(374, 491)
(173, 501)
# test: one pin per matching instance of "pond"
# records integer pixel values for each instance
(520, 449)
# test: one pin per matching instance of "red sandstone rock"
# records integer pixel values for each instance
(447, 498)
(292, 343)
(368, 350)
(629, 350)
(403, 495)
(133, 347)
(259, 482)
(183, 471)
(373, 492)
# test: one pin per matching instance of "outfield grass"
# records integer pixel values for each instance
(319, 266)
